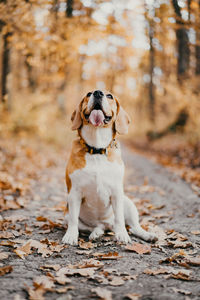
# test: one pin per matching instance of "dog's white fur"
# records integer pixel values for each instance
(100, 184)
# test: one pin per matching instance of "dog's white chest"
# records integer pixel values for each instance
(101, 174)
(97, 182)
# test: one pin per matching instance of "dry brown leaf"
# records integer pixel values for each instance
(109, 255)
(182, 275)
(185, 292)
(102, 293)
(49, 267)
(43, 281)
(63, 290)
(179, 244)
(86, 245)
(36, 294)
(4, 255)
(41, 248)
(15, 218)
(156, 271)
(70, 272)
(62, 279)
(83, 252)
(195, 261)
(116, 281)
(133, 296)
(139, 248)
(57, 248)
(195, 232)
(6, 235)
(173, 273)
(7, 243)
(24, 250)
(90, 263)
(6, 269)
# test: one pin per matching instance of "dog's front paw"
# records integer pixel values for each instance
(70, 238)
(122, 236)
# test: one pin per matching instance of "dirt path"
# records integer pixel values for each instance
(166, 203)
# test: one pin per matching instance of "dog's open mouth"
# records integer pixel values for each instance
(97, 116)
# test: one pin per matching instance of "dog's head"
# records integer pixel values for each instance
(100, 109)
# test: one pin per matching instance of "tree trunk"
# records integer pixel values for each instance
(29, 69)
(5, 66)
(151, 72)
(182, 43)
(197, 48)
(69, 8)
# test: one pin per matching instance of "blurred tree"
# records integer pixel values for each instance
(197, 47)
(182, 42)
(69, 8)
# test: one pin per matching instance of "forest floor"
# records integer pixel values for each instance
(34, 264)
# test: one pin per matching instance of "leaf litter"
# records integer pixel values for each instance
(95, 268)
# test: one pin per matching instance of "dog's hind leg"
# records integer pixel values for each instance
(132, 219)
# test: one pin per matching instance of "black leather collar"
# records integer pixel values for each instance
(93, 150)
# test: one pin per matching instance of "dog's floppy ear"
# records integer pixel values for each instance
(76, 117)
(122, 120)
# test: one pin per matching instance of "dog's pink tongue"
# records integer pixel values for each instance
(96, 117)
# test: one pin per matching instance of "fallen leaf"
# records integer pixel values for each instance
(44, 281)
(6, 269)
(185, 292)
(62, 279)
(179, 244)
(63, 290)
(6, 235)
(41, 248)
(156, 271)
(116, 281)
(71, 272)
(173, 273)
(90, 263)
(132, 296)
(139, 248)
(48, 267)
(3, 255)
(102, 293)
(7, 243)
(195, 261)
(83, 252)
(182, 275)
(36, 294)
(195, 232)
(24, 250)
(109, 255)
(86, 245)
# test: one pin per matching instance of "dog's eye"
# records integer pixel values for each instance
(89, 94)
(109, 96)
(107, 119)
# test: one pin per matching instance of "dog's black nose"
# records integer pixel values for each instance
(98, 94)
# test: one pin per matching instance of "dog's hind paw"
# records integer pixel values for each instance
(151, 237)
(96, 233)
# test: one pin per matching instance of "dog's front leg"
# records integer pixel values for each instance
(119, 220)
(74, 202)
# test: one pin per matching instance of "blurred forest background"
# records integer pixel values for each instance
(146, 52)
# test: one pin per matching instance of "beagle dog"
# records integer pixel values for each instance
(95, 171)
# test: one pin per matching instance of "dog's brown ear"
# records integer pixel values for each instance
(76, 117)
(122, 121)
